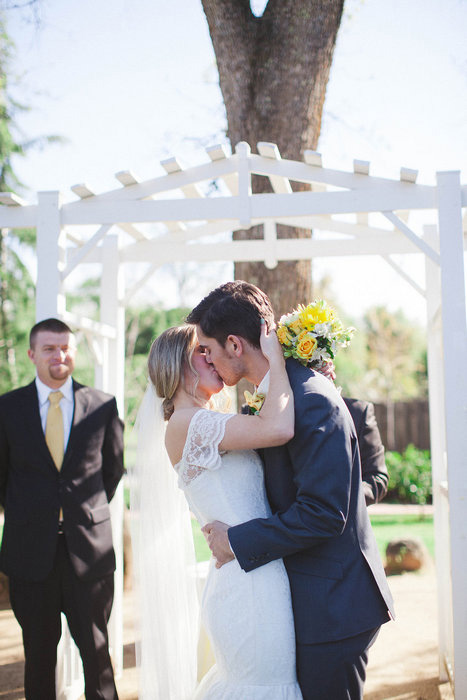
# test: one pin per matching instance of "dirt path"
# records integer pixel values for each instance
(403, 662)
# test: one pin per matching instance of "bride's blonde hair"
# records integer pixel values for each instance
(170, 353)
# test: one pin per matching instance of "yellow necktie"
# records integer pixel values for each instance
(54, 428)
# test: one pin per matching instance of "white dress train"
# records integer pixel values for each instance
(248, 616)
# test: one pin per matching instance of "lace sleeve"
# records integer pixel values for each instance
(201, 450)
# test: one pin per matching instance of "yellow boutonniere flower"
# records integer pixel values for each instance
(306, 344)
(254, 401)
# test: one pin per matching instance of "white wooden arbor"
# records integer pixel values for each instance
(338, 207)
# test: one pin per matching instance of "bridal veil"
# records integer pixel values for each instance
(164, 565)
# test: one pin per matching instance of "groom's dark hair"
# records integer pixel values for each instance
(234, 308)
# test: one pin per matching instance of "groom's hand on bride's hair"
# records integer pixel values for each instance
(218, 541)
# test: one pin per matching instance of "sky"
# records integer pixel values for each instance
(129, 83)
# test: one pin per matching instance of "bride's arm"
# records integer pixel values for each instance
(274, 424)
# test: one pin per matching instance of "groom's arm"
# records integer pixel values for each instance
(321, 454)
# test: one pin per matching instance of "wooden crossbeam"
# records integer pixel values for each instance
(419, 242)
(270, 238)
(82, 191)
(133, 231)
(127, 178)
(361, 167)
(73, 238)
(396, 196)
(257, 250)
(86, 324)
(85, 249)
(141, 282)
(218, 153)
(171, 167)
(404, 275)
(408, 175)
(313, 158)
(280, 185)
(191, 233)
(327, 223)
(10, 199)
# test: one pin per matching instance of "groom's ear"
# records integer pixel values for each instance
(235, 345)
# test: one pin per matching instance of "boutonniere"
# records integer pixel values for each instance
(254, 401)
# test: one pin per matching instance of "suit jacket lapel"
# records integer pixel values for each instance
(32, 421)
(81, 407)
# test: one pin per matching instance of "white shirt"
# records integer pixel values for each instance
(263, 386)
(67, 405)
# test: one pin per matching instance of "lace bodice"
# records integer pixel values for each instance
(201, 450)
(226, 486)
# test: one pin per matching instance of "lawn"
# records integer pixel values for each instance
(385, 527)
(392, 527)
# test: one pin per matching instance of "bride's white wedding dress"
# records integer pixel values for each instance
(248, 616)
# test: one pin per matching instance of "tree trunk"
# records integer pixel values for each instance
(273, 72)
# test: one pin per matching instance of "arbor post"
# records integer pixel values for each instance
(438, 457)
(112, 313)
(454, 335)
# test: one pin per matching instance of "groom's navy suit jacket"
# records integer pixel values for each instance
(32, 491)
(319, 524)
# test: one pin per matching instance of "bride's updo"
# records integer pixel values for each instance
(169, 354)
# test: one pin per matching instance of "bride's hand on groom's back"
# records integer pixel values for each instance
(218, 541)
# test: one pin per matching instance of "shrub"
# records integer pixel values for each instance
(409, 476)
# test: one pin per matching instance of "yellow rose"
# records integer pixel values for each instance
(296, 326)
(285, 338)
(306, 345)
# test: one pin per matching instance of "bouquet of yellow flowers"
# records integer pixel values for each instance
(313, 334)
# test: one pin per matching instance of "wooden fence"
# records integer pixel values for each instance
(402, 423)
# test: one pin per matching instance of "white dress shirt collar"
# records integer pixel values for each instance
(263, 386)
(43, 390)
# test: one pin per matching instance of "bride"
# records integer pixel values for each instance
(248, 616)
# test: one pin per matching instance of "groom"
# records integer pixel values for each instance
(319, 522)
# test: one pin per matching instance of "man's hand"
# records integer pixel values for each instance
(218, 541)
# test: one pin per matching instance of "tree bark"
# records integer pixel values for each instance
(273, 72)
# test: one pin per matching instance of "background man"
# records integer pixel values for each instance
(374, 470)
(61, 458)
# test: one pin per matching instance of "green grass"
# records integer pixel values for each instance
(394, 527)
(385, 527)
